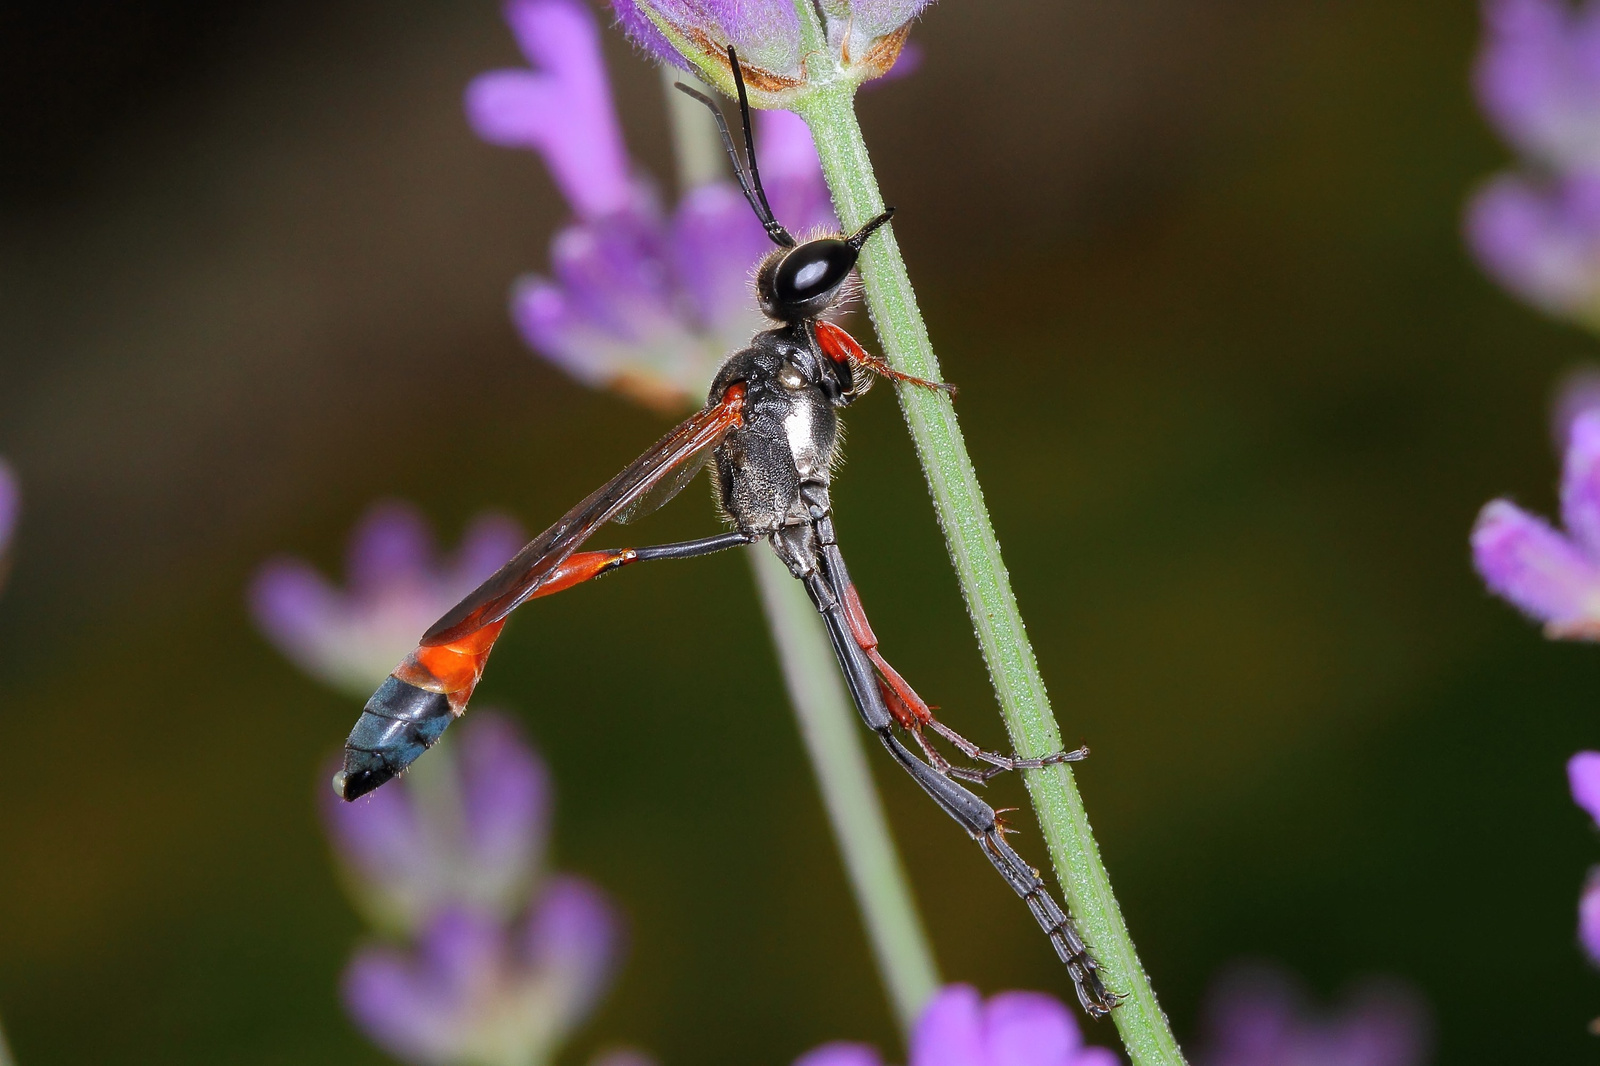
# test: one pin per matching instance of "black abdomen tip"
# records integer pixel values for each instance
(398, 724)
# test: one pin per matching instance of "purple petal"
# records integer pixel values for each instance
(564, 111)
(716, 244)
(294, 606)
(613, 272)
(1589, 917)
(622, 1056)
(950, 1030)
(1538, 78)
(421, 1007)
(1029, 1029)
(573, 936)
(505, 801)
(1096, 1056)
(1250, 1017)
(1529, 564)
(379, 842)
(793, 173)
(490, 540)
(1384, 1023)
(549, 325)
(643, 33)
(391, 544)
(1583, 776)
(1580, 483)
(10, 504)
(1542, 243)
(1579, 391)
(841, 1053)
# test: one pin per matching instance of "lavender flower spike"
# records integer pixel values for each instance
(397, 587)
(1553, 577)
(482, 993)
(958, 1028)
(863, 40)
(1257, 1016)
(473, 839)
(637, 301)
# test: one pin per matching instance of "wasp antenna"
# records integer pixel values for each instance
(857, 239)
(780, 236)
(753, 193)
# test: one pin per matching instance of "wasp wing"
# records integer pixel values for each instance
(686, 446)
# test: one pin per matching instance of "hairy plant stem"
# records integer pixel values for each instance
(829, 727)
(958, 500)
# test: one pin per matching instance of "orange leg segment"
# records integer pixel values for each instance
(841, 348)
(913, 714)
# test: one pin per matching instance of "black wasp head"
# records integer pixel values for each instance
(804, 281)
(798, 281)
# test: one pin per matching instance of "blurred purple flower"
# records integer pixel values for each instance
(474, 837)
(1583, 776)
(1538, 78)
(1541, 240)
(397, 586)
(507, 961)
(864, 38)
(479, 991)
(638, 301)
(1552, 576)
(10, 508)
(958, 1028)
(1259, 1016)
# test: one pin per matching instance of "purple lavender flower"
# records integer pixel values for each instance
(472, 837)
(1258, 1016)
(479, 991)
(1553, 577)
(507, 962)
(1538, 79)
(396, 588)
(1540, 238)
(958, 1028)
(1583, 775)
(638, 301)
(864, 37)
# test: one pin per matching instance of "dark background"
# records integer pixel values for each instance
(1234, 390)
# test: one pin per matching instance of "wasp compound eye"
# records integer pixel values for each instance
(809, 274)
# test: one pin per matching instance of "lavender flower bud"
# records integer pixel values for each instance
(863, 38)
(1554, 577)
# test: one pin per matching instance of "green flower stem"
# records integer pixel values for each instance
(832, 737)
(828, 724)
(958, 499)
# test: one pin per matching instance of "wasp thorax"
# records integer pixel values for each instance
(801, 282)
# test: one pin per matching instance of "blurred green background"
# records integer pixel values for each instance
(1234, 390)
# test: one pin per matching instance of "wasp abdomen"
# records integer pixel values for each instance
(399, 723)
